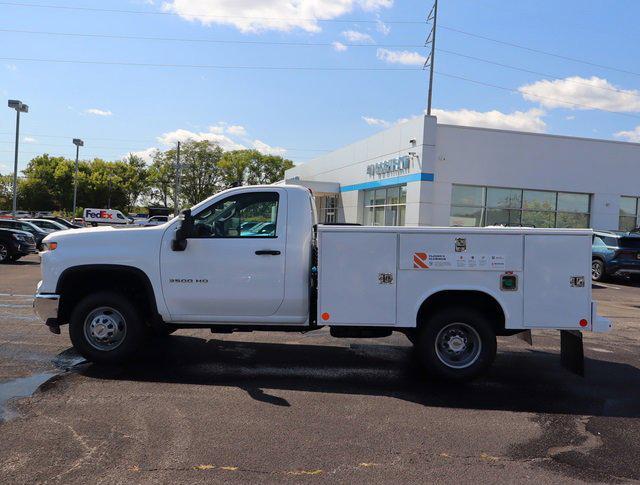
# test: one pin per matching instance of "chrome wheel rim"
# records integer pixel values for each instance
(596, 270)
(458, 345)
(4, 252)
(105, 328)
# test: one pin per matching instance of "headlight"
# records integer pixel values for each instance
(21, 237)
(50, 246)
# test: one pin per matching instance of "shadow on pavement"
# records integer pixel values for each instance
(526, 381)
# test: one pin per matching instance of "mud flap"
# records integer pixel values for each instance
(571, 351)
(526, 337)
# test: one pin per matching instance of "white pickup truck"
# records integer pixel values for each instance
(253, 258)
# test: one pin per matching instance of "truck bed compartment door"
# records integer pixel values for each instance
(557, 281)
(357, 278)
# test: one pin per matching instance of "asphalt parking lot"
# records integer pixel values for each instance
(302, 408)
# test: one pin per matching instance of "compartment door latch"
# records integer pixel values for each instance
(385, 278)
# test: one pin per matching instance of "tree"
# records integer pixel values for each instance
(250, 167)
(201, 177)
(162, 177)
(6, 192)
(132, 175)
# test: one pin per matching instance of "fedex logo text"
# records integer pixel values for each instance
(98, 214)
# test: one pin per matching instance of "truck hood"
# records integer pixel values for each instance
(136, 247)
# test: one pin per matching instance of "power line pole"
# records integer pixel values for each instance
(431, 39)
(176, 192)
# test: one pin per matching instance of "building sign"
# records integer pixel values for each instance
(389, 166)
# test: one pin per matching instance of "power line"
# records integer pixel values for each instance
(312, 19)
(206, 16)
(314, 44)
(202, 40)
(211, 66)
(540, 51)
(538, 73)
(147, 141)
(308, 68)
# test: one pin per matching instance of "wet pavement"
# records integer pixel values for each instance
(289, 407)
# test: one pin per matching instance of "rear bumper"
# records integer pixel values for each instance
(45, 307)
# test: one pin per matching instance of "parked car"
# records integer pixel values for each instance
(615, 254)
(21, 225)
(47, 224)
(62, 221)
(152, 221)
(15, 244)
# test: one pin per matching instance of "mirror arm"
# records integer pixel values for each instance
(179, 242)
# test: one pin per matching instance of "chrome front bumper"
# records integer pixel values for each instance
(46, 307)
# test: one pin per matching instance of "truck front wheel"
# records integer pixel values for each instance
(456, 344)
(106, 328)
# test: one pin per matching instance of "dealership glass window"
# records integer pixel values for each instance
(487, 206)
(386, 206)
(327, 207)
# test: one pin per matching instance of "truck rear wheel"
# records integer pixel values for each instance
(456, 344)
(106, 328)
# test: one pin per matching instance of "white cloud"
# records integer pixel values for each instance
(400, 57)
(145, 155)
(212, 135)
(29, 139)
(518, 120)
(570, 118)
(383, 28)
(355, 36)
(266, 149)
(237, 130)
(339, 46)
(11, 67)
(633, 135)
(591, 93)
(98, 112)
(261, 15)
(375, 121)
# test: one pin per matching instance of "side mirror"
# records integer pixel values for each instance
(185, 230)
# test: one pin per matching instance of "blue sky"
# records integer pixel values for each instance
(121, 108)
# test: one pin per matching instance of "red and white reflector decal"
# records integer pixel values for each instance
(420, 260)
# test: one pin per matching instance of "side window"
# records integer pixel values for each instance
(611, 241)
(26, 227)
(598, 242)
(245, 215)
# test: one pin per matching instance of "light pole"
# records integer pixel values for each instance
(78, 143)
(20, 107)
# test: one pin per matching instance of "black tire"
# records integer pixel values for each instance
(5, 253)
(122, 311)
(463, 327)
(597, 270)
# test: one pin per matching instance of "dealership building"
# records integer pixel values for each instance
(422, 173)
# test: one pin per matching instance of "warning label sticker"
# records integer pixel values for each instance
(426, 260)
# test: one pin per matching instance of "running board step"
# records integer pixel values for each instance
(360, 332)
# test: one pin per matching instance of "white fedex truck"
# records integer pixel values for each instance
(111, 217)
(253, 258)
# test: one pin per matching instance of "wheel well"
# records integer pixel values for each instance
(479, 300)
(76, 283)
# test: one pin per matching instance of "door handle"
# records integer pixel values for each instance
(267, 252)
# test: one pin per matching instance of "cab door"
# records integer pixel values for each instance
(233, 267)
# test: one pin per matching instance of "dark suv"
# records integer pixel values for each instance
(15, 244)
(37, 233)
(615, 254)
